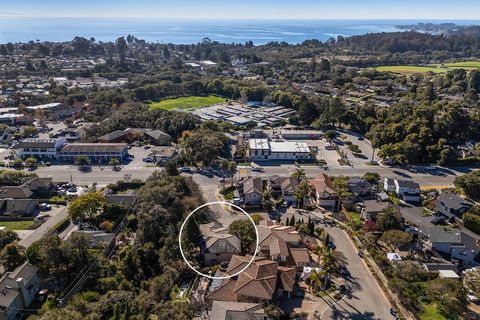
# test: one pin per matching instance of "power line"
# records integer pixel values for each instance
(82, 276)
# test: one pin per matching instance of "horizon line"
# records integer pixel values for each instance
(231, 19)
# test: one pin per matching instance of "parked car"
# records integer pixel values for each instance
(186, 169)
(45, 207)
(438, 220)
(149, 159)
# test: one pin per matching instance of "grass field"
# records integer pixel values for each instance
(410, 69)
(430, 312)
(16, 225)
(435, 68)
(464, 65)
(186, 102)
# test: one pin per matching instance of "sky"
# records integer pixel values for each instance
(246, 9)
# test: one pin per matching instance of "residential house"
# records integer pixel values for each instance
(116, 136)
(360, 189)
(458, 245)
(17, 291)
(217, 245)
(408, 190)
(41, 187)
(158, 137)
(452, 206)
(229, 310)
(263, 280)
(284, 187)
(18, 207)
(39, 148)
(283, 244)
(371, 209)
(163, 154)
(15, 192)
(123, 199)
(251, 189)
(97, 238)
(324, 191)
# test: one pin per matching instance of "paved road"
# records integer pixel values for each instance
(441, 177)
(44, 228)
(366, 299)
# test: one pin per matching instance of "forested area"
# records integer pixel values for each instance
(143, 276)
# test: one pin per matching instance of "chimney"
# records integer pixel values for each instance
(21, 292)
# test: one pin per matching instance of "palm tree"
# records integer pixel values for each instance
(232, 167)
(299, 174)
(303, 229)
(331, 260)
(341, 188)
(302, 191)
(316, 280)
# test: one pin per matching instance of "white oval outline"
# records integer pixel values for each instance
(213, 277)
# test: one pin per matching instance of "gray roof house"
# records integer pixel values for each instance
(17, 290)
(229, 310)
(451, 205)
(217, 245)
(158, 137)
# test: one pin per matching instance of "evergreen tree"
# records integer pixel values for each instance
(287, 222)
(292, 221)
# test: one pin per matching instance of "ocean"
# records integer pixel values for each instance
(192, 31)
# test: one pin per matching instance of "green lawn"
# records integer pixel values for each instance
(16, 225)
(430, 312)
(462, 64)
(435, 68)
(186, 102)
(410, 69)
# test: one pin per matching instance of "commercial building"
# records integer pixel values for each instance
(95, 152)
(263, 150)
(39, 148)
(302, 134)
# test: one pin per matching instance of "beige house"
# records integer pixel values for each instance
(324, 191)
(217, 244)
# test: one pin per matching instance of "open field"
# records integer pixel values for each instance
(435, 68)
(463, 64)
(410, 69)
(16, 225)
(186, 102)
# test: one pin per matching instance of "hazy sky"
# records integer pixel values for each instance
(246, 9)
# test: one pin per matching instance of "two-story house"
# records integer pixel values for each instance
(324, 191)
(39, 148)
(408, 190)
(17, 290)
(452, 206)
(217, 245)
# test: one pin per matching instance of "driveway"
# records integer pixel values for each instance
(41, 231)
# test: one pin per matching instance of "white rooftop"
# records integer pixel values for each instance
(289, 146)
(448, 274)
(258, 144)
